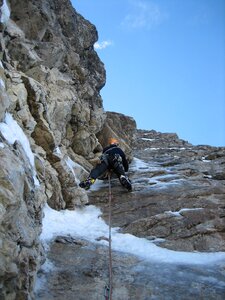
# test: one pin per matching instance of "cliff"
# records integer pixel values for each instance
(50, 81)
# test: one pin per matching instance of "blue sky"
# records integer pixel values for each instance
(165, 63)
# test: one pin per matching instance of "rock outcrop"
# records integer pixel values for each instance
(121, 127)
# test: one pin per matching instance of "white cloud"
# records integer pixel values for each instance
(102, 45)
(144, 14)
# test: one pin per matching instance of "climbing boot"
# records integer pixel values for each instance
(86, 184)
(125, 181)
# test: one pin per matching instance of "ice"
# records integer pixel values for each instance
(5, 12)
(87, 223)
(12, 132)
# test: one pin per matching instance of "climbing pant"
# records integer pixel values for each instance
(108, 162)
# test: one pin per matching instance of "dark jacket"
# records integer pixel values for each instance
(114, 149)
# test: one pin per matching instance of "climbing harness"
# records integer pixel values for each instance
(108, 288)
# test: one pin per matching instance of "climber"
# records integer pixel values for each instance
(112, 159)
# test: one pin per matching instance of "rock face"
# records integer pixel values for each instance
(178, 194)
(177, 203)
(187, 188)
(50, 79)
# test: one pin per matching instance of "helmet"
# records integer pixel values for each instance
(113, 141)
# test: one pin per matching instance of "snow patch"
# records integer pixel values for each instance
(5, 12)
(87, 223)
(57, 151)
(208, 176)
(167, 148)
(178, 213)
(163, 185)
(48, 266)
(145, 139)
(2, 84)
(139, 165)
(71, 164)
(205, 160)
(12, 132)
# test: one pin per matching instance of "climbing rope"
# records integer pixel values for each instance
(108, 288)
